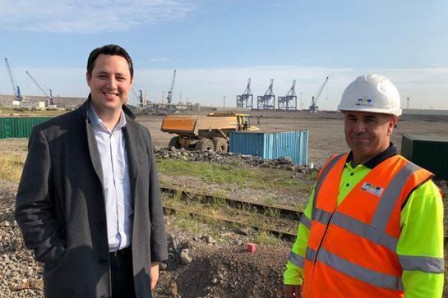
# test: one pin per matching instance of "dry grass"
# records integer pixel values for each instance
(11, 165)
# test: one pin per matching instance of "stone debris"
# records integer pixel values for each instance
(228, 158)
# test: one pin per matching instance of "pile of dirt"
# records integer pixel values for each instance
(201, 268)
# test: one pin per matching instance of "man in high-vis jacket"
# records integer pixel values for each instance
(374, 223)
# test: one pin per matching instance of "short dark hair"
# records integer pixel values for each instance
(110, 49)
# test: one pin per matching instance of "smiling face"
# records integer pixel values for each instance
(367, 134)
(110, 83)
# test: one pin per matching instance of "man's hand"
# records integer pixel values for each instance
(291, 291)
(154, 274)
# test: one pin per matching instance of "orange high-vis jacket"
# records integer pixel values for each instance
(352, 247)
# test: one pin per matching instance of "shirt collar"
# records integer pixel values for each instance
(96, 120)
(376, 160)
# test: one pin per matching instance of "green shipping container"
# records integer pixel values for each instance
(19, 127)
(429, 152)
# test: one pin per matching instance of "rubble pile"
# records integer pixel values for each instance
(229, 158)
(20, 275)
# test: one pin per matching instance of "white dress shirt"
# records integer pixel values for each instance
(116, 181)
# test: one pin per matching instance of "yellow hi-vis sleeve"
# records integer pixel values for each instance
(293, 274)
(422, 239)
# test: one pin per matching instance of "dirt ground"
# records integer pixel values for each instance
(326, 132)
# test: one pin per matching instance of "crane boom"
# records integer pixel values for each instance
(15, 89)
(316, 97)
(313, 106)
(170, 92)
(49, 97)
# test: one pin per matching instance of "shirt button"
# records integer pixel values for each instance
(347, 185)
(351, 174)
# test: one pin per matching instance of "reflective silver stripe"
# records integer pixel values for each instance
(321, 216)
(425, 264)
(363, 230)
(296, 259)
(392, 193)
(322, 177)
(305, 221)
(366, 275)
(310, 254)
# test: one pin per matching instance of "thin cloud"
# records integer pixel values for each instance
(83, 16)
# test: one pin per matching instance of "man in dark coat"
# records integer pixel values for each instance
(88, 202)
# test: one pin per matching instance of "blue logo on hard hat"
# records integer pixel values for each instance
(364, 102)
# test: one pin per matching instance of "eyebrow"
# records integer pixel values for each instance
(117, 74)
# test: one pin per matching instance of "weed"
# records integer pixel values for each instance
(264, 238)
(270, 180)
(184, 221)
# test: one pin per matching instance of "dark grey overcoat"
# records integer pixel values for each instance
(61, 211)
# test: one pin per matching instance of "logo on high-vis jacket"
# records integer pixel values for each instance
(374, 190)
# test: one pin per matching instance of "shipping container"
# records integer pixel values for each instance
(19, 127)
(272, 145)
(429, 152)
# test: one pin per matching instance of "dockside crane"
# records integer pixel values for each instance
(267, 100)
(15, 88)
(314, 107)
(138, 96)
(289, 101)
(169, 98)
(49, 96)
(244, 99)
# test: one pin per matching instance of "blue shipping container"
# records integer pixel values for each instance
(272, 145)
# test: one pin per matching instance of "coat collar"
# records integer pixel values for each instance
(376, 160)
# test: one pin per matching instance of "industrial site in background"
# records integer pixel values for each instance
(142, 104)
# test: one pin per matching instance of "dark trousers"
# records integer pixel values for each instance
(122, 277)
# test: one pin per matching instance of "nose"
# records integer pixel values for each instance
(359, 126)
(111, 83)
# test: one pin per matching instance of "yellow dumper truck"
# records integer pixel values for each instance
(205, 132)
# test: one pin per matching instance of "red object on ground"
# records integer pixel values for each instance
(251, 247)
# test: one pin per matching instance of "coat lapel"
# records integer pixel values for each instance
(91, 141)
(131, 134)
(93, 150)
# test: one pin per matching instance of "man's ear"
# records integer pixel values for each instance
(88, 78)
(392, 124)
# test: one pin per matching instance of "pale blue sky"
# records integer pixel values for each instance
(216, 45)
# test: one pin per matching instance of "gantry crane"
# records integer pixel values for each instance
(49, 96)
(169, 98)
(289, 101)
(15, 88)
(244, 99)
(268, 99)
(314, 107)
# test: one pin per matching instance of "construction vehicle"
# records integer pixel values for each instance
(314, 107)
(204, 133)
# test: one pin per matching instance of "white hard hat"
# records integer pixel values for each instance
(371, 93)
